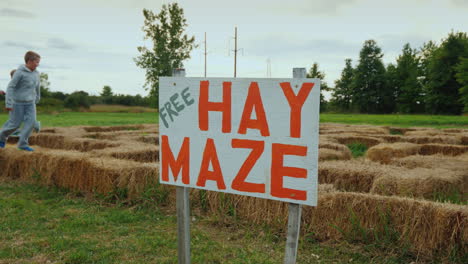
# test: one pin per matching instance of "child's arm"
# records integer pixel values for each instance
(11, 90)
(38, 92)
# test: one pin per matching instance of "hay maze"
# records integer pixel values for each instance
(411, 185)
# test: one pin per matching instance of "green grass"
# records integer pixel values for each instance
(65, 119)
(109, 119)
(357, 149)
(437, 121)
(41, 224)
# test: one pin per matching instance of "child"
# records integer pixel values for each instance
(23, 93)
(37, 124)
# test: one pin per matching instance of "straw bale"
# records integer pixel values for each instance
(392, 138)
(384, 153)
(146, 154)
(349, 139)
(55, 141)
(154, 140)
(434, 139)
(464, 139)
(432, 162)
(451, 150)
(421, 183)
(330, 154)
(112, 128)
(76, 171)
(431, 228)
(351, 175)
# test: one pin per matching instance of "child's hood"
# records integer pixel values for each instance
(24, 68)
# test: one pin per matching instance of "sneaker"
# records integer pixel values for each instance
(26, 148)
(37, 127)
(2, 144)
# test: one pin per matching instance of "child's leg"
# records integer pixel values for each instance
(29, 121)
(16, 117)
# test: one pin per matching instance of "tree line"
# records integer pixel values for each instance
(432, 79)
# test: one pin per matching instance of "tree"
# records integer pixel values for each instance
(408, 90)
(77, 100)
(369, 93)
(170, 45)
(462, 78)
(341, 96)
(442, 89)
(107, 94)
(315, 73)
(45, 85)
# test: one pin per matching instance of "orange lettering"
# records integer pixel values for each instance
(210, 155)
(296, 102)
(182, 162)
(254, 100)
(278, 171)
(204, 106)
(239, 182)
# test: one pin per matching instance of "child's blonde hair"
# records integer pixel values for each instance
(12, 72)
(31, 56)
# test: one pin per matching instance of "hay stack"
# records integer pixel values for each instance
(352, 175)
(349, 139)
(384, 153)
(424, 183)
(450, 150)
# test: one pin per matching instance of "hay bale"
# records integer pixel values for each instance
(384, 153)
(349, 139)
(432, 162)
(424, 183)
(434, 139)
(352, 175)
(450, 150)
(330, 154)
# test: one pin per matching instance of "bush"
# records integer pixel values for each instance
(77, 100)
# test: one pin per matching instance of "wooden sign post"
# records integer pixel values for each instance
(245, 136)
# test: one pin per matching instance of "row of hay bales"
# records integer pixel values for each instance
(370, 192)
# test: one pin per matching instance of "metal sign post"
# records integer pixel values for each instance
(295, 210)
(183, 210)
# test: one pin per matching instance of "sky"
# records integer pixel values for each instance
(87, 44)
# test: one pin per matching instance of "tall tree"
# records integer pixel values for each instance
(442, 89)
(107, 94)
(462, 78)
(369, 93)
(342, 93)
(314, 72)
(409, 94)
(45, 85)
(170, 45)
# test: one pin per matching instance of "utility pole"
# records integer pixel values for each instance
(235, 52)
(205, 54)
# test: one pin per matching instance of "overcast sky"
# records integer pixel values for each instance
(86, 44)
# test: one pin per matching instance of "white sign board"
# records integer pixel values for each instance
(255, 137)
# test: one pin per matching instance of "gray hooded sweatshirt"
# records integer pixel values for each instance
(24, 87)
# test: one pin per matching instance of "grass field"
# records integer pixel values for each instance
(49, 225)
(108, 119)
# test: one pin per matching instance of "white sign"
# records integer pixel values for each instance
(255, 137)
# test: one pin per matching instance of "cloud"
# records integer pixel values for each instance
(17, 44)
(58, 43)
(310, 7)
(458, 3)
(10, 12)
(286, 46)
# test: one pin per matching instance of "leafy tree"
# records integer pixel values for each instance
(45, 85)
(408, 90)
(107, 94)
(170, 45)
(315, 73)
(342, 92)
(442, 89)
(77, 100)
(462, 78)
(369, 93)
